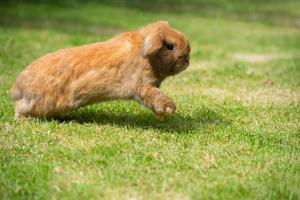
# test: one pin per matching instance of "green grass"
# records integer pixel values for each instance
(236, 134)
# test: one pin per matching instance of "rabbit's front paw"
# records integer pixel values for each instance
(164, 107)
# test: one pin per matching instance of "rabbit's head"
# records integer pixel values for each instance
(167, 49)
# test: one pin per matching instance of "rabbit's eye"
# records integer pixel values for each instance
(170, 46)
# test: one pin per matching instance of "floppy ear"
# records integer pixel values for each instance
(159, 24)
(152, 43)
(154, 40)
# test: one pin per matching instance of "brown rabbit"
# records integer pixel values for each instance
(131, 65)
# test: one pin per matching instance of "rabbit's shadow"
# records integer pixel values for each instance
(200, 119)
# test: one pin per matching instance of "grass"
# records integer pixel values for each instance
(236, 134)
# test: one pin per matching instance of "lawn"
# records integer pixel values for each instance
(235, 135)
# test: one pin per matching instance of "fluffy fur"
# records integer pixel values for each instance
(131, 65)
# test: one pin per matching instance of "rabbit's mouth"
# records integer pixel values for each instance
(178, 67)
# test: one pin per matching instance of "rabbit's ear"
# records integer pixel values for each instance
(154, 40)
(159, 24)
(152, 43)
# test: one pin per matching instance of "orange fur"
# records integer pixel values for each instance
(129, 66)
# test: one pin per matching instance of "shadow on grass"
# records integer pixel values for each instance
(204, 119)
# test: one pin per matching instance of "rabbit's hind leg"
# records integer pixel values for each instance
(23, 108)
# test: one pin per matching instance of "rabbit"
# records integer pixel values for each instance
(130, 66)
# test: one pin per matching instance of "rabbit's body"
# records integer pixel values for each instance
(70, 78)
